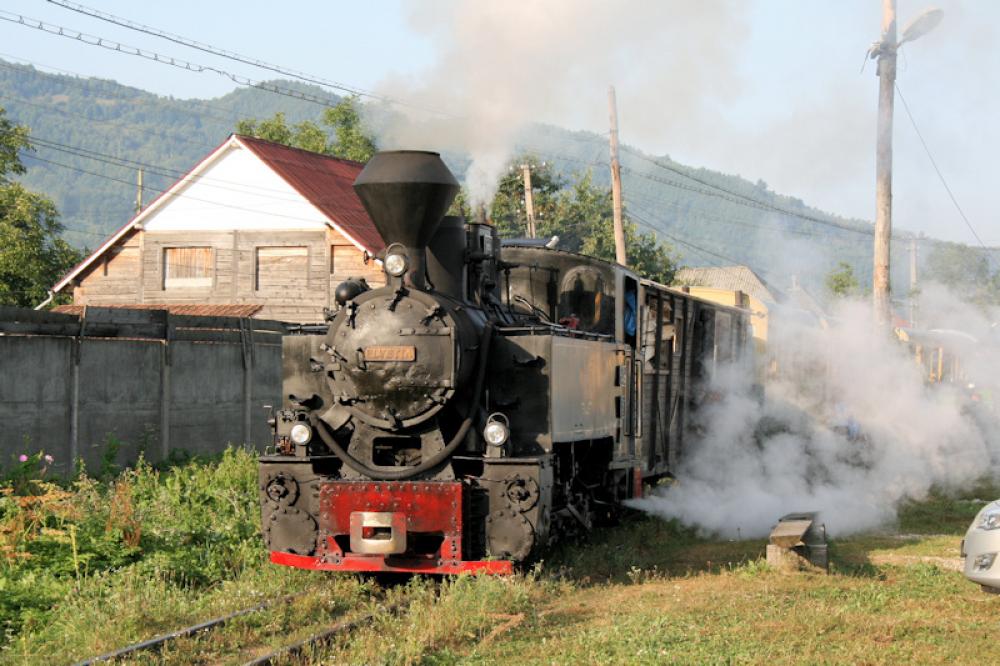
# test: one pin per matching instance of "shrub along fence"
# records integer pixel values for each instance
(135, 380)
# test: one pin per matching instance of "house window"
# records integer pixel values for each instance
(188, 267)
(281, 268)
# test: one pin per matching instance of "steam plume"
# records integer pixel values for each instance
(505, 64)
(851, 431)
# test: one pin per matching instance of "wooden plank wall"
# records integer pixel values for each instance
(296, 293)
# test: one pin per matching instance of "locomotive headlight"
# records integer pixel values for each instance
(395, 264)
(497, 430)
(495, 433)
(301, 433)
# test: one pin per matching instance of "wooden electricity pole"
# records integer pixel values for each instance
(886, 53)
(138, 192)
(913, 282)
(529, 202)
(616, 181)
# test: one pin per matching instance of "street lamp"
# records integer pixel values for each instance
(921, 25)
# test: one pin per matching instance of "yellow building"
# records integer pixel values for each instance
(741, 287)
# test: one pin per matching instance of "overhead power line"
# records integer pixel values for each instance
(650, 224)
(118, 47)
(752, 201)
(166, 172)
(170, 194)
(719, 191)
(940, 175)
(179, 174)
(740, 202)
(232, 55)
(715, 190)
(85, 82)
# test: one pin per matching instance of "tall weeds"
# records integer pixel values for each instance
(194, 525)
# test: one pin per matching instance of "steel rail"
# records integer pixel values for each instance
(159, 641)
(323, 637)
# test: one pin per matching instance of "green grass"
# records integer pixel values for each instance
(94, 565)
(653, 592)
(132, 555)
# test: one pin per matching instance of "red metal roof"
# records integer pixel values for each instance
(240, 310)
(327, 182)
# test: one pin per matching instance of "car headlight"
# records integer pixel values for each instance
(496, 431)
(990, 521)
(984, 561)
(301, 433)
(395, 264)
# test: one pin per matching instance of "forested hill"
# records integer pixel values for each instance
(76, 123)
(93, 134)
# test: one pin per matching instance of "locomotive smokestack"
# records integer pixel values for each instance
(406, 193)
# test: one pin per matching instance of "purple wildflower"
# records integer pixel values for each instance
(23, 458)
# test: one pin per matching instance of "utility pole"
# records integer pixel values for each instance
(529, 203)
(913, 281)
(138, 193)
(885, 51)
(616, 181)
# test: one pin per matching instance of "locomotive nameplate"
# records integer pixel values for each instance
(391, 353)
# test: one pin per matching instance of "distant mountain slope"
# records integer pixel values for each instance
(708, 225)
(169, 135)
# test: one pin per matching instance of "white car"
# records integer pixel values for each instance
(980, 547)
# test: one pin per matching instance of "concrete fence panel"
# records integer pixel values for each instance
(35, 396)
(103, 386)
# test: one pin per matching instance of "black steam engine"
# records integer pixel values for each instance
(483, 402)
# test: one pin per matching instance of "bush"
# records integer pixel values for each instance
(193, 525)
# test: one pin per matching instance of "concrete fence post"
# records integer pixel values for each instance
(75, 350)
(246, 339)
(165, 390)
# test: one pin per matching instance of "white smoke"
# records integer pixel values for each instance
(853, 431)
(502, 65)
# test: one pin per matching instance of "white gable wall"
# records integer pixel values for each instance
(237, 191)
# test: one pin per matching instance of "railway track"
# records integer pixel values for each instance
(158, 642)
(290, 650)
(323, 637)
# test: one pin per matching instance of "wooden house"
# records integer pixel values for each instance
(253, 224)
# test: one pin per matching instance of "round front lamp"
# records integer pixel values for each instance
(395, 264)
(301, 433)
(497, 430)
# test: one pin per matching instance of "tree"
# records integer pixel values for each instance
(841, 281)
(584, 222)
(349, 140)
(957, 265)
(306, 135)
(581, 215)
(507, 210)
(32, 255)
(352, 142)
(965, 269)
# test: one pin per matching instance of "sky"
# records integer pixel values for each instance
(771, 90)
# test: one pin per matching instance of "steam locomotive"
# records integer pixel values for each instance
(489, 399)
